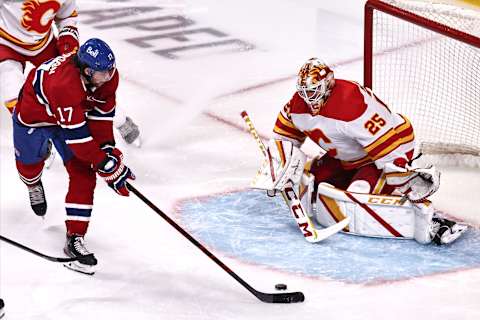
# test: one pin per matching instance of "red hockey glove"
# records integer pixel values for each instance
(67, 40)
(115, 172)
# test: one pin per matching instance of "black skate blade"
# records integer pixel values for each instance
(80, 268)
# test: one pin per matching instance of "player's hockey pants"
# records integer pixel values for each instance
(30, 152)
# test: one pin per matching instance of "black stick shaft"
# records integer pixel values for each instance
(41, 255)
(265, 297)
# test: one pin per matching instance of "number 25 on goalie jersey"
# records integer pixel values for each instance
(353, 126)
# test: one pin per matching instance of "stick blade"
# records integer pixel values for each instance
(289, 297)
(323, 234)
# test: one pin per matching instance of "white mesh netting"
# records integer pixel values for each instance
(431, 78)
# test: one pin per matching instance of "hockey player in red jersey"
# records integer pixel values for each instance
(70, 100)
(27, 34)
(368, 150)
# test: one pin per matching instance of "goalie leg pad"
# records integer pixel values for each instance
(424, 228)
(384, 216)
(371, 215)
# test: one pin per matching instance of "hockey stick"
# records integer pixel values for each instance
(288, 297)
(41, 255)
(309, 231)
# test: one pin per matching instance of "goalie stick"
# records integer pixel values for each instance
(41, 255)
(288, 297)
(309, 231)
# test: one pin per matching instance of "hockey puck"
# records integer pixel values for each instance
(281, 286)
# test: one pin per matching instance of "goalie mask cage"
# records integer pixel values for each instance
(423, 60)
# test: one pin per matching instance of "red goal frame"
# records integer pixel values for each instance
(372, 5)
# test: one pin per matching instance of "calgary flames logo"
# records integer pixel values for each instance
(38, 15)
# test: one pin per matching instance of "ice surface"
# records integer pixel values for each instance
(147, 270)
(260, 230)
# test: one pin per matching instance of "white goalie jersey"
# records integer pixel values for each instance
(353, 126)
(26, 26)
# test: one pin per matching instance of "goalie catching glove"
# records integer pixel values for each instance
(114, 171)
(284, 162)
(417, 184)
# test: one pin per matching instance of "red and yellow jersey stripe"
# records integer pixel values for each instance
(349, 165)
(285, 127)
(24, 45)
(391, 140)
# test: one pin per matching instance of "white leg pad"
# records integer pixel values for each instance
(423, 222)
(370, 215)
(375, 215)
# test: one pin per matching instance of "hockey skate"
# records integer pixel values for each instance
(75, 247)
(38, 202)
(2, 306)
(130, 132)
(446, 231)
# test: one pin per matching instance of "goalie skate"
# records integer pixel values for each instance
(2, 311)
(75, 247)
(447, 231)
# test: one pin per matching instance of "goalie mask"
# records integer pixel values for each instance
(315, 82)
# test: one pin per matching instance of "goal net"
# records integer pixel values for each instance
(423, 60)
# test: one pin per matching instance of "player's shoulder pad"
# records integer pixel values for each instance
(69, 80)
(297, 104)
(346, 103)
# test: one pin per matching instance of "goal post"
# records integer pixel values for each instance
(423, 60)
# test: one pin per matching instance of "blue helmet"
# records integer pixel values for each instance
(96, 54)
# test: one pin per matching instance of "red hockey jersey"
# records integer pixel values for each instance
(55, 95)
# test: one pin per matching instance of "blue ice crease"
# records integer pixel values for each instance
(258, 229)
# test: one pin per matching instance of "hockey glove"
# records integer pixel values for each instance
(284, 162)
(115, 172)
(416, 183)
(67, 40)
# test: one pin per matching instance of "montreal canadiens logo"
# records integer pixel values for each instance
(38, 15)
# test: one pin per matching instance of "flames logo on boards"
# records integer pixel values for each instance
(38, 15)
